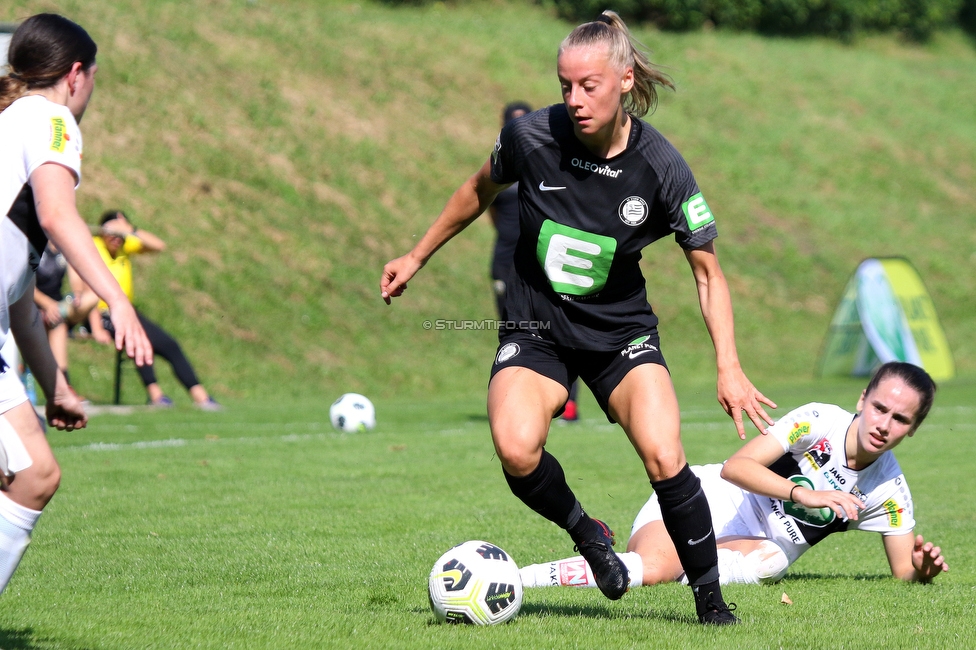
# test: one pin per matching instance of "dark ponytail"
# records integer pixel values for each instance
(42, 51)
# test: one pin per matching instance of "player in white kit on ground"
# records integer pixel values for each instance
(819, 471)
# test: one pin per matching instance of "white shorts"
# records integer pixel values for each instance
(732, 513)
(13, 455)
(12, 391)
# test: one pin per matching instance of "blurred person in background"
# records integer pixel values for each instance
(504, 214)
(61, 311)
(116, 241)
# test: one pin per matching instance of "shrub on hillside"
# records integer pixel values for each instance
(836, 18)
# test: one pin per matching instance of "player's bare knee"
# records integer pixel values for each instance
(772, 563)
(518, 461)
(41, 483)
(663, 463)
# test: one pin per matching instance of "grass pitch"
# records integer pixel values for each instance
(262, 527)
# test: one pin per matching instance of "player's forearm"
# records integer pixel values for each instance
(465, 205)
(716, 307)
(150, 242)
(28, 329)
(753, 476)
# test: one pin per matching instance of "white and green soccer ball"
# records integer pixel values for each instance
(352, 412)
(475, 583)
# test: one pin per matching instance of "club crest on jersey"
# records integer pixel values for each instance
(819, 454)
(633, 211)
(508, 351)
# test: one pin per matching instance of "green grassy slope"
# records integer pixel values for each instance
(287, 150)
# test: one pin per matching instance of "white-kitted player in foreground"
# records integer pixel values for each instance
(819, 471)
(51, 78)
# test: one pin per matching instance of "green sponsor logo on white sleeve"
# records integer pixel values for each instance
(575, 261)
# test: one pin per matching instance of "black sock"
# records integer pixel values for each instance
(706, 594)
(545, 490)
(688, 520)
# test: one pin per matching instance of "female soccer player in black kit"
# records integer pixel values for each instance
(597, 185)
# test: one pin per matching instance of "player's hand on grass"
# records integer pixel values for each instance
(844, 504)
(396, 274)
(737, 395)
(927, 560)
(64, 409)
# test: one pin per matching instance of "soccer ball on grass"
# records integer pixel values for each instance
(352, 412)
(475, 583)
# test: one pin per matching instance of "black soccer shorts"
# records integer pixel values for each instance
(601, 371)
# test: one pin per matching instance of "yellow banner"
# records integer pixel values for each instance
(933, 348)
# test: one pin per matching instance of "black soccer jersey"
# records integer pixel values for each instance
(583, 223)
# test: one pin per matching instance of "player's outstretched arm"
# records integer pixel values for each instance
(749, 469)
(54, 199)
(464, 206)
(913, 559)
(736, 393)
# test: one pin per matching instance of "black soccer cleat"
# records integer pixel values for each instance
(608, 570)
(716, 612)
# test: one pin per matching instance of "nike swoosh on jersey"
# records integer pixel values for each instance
(549, 188)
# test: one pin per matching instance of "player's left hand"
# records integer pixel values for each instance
(64, 409)
(396, 273)
(736, 394)
(927, 560)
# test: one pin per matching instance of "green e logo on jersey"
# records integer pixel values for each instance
(696, 212)
(575, 261)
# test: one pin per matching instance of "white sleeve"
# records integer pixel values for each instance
(889, 509)
(53, 137)
(802, 428)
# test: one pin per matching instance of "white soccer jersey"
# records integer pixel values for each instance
(813, 439)
(33, 131)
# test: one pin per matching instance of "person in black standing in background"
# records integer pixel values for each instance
(504, 213)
